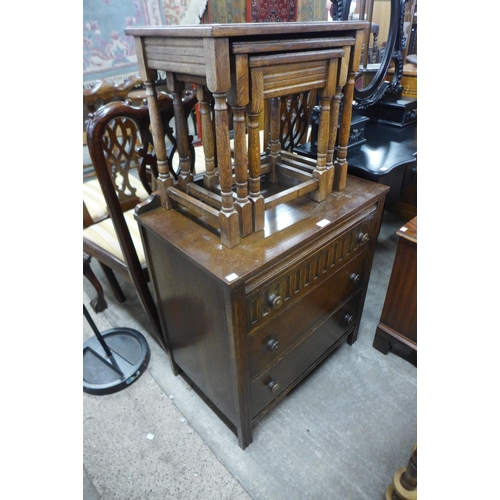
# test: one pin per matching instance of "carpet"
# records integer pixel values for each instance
(265, 11)
(107, 52)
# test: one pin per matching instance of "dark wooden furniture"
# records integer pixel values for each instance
(389, 156)
(106, 91)
(404, 484)
(296, 113)
(98, 303)
(397, 329)
(101, 93)
(245, 325)
(121, 150)
(242, 66)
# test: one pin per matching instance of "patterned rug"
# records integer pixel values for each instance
(107, 52)
(265, 11)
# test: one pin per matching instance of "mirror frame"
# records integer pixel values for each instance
(396, 42)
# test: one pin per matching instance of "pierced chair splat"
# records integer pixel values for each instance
(121, 149)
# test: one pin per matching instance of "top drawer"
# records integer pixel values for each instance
(288, 285)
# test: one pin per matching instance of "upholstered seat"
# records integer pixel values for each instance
(103, 235)
(95, 202)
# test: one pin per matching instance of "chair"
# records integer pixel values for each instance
(101, 93)
(121, 150)
(295, 119)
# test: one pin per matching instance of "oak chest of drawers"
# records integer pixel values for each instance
(247, 324)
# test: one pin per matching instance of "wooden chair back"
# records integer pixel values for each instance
(295, 119)
(121, 147)
(105, 91)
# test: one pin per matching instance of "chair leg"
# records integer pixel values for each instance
(113, 282)
(98, 303)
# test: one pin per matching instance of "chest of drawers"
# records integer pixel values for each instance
(245, 325)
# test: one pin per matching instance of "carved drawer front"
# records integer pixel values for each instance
(266, 301)
(292, 367)
(269, 343)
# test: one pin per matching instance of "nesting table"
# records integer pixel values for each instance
(243, 66)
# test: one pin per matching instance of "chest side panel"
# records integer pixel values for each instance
(200, 319)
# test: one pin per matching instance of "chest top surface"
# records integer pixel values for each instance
(287, 227)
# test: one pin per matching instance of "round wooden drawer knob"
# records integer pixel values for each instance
(273, 386)
(363, 238)
(273, 345)
(349, 319)
(274, 301)
(355, 278)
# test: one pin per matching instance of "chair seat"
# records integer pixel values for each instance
(94, 199)
(261, 139)
(199, 160)
(103, 234)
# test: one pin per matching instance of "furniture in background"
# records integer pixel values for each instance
(103, 92)
(382, 153)
(389, 156)
(98, 303)
(94, 205)
(296, 113)
(121, 150)
(408, 79)
(397, 329)
(404, 485)
(261, 266)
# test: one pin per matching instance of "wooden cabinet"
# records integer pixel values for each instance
(397, 329)
(247, 324)
(260, 268)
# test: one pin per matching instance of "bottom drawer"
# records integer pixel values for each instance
(291, 368)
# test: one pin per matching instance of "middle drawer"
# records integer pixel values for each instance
(269, 343)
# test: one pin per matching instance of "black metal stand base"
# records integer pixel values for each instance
(113, 360)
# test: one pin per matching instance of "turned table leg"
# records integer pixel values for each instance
(404, 486)
(210, 178)
(98, 303)
(181, 133)
(242, 203)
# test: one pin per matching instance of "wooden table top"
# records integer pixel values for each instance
(244, 29)
(409, 231)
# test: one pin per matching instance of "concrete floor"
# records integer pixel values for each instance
(341, 434)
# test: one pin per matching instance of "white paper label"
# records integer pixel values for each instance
(323, 223)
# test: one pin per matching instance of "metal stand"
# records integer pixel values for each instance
(114, 359)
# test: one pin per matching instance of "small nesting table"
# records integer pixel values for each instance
(246, 65)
